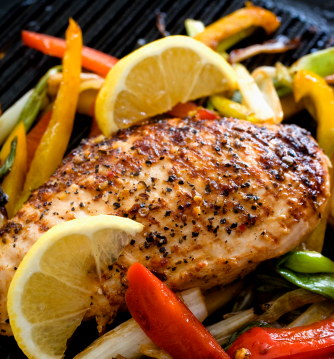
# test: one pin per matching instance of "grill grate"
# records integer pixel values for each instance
(115, 27)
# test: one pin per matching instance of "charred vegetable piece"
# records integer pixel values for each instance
(92, 59)
(14, 181)
(274, 46)
(312, 341)
(160, 18)
(166, 320)
(58, 132)
(237, 22)
(308, 270)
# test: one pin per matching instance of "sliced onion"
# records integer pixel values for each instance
(55, 80)
(153, 351)
(274, 46)
(10, 117)
(217, 298)
(127, 338)
(252, 96)
(271, 71)
(268, 91)
(272, 311)
(93, 84)
(316, 312)
(195, 301)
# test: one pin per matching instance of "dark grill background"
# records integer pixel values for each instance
(115, 27)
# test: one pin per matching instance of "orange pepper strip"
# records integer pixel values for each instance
(92, 59)
(51, 150)
(35, 135)
(166, 320)
(13, 183)
(236, 22)
(308, 85)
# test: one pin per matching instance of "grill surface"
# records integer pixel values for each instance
(115, 27)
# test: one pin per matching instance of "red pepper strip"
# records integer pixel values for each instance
(182, 109)
(35, 135)
(205, 114)
(92, 60)
(166, 320)
(310, 341)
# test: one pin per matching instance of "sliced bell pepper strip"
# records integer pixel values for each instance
(229, 108)
(311, 341)
(236, 22)
(182, 109)
(311, 87)
(13, 183)
(166, 320)
(204, 114)
(92, 59)
(35, 135)
(53, 144)
(307, 84)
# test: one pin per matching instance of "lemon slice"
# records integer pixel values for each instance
(54, 284)
(154, 78)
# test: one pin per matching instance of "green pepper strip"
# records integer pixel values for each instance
(229, 108)
(8, 162)
(234, 39)
(308, 270)
(34, 102)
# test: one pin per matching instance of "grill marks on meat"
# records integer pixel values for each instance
(215, 197)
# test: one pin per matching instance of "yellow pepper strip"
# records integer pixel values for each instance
(229, 108)
(308, 85)
(327, 144)
(319, 97)
(51, 150)
(236, 22)
(13, 183)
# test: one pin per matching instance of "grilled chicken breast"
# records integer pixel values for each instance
(216, 198)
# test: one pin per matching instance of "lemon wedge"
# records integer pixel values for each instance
(54, 284)
(154, 78)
